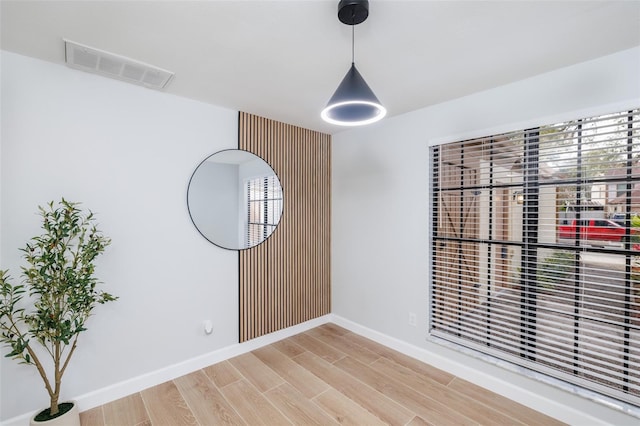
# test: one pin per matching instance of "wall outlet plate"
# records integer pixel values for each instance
(413, 320)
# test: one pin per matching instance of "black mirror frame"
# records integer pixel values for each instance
(208, 238)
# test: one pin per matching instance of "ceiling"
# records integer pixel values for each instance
(284, 59)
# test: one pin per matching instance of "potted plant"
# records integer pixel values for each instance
(61, 292)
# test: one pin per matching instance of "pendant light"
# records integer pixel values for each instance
(353, 103)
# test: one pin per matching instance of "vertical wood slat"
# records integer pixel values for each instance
(286, 280)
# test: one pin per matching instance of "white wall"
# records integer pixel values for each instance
(380, 217)
(127, 153)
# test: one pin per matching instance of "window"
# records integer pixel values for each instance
(527, 264)
(264, 207)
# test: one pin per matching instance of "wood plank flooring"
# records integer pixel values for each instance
(325, 376)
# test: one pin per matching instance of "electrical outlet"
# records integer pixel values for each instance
(413, 320)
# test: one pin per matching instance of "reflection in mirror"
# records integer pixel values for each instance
(235, 199)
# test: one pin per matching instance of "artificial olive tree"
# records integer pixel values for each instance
(62, 293)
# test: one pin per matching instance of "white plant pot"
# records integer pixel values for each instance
(70, 418)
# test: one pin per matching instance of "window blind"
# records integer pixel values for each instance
(264, 207)
(535, 250)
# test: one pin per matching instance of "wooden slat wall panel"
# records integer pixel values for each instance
(286, 280)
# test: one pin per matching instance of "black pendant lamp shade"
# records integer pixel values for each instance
(353, 103)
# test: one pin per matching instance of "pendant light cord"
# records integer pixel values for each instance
(353, 30)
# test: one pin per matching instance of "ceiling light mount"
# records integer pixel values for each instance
(353, 12)
(353, 103)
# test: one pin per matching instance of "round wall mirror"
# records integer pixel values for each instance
(235, 199)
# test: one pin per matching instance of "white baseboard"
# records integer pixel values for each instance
(137, 384)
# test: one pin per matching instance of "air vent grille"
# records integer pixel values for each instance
(107, 64)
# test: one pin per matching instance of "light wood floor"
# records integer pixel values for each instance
(325, 376)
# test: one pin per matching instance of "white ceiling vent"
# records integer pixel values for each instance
(107, 64)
